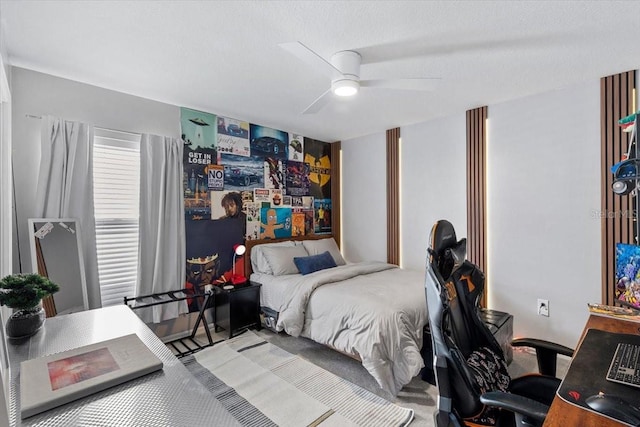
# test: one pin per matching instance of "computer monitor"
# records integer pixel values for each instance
(628, 274)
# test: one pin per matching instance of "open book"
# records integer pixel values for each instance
(56, 379)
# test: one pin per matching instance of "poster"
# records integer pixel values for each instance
(242, 173)
(305, 202)
(276, 198)
(267, 142)
(297, 178)
(233, 137)
(198, 129)
(215, 174)
(262, 195)
(628, 274)
(318, 155)
(322, 216)
(252, 210)
(309, 221)
(296, 147)
(227, 204)
(274, 173)
(244, 181)
(297, 223)
(209, 249)
(275, 223)
(199, 137)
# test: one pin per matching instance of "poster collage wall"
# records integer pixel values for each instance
(244, 181)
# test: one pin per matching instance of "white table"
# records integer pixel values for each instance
(170, 397)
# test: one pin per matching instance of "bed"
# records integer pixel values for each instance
(372, 311)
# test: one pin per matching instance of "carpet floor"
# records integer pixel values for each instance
(417, 395)
(264, 385)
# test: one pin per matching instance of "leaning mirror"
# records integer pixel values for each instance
(56, 254)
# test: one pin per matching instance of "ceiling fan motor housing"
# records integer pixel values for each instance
(348, 62)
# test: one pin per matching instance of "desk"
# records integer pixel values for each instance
(565, 414)
(170, 397)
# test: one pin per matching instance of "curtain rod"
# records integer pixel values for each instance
(31, 116)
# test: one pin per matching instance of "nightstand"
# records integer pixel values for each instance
(237, 309)
(501, 326)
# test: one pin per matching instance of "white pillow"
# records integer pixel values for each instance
(259, 263)
(315, 247)
(280, 259)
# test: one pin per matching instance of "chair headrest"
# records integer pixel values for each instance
(442, 237)
(448, 253)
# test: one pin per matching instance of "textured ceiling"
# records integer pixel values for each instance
(223, 56)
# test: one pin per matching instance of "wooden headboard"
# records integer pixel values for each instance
(251, 243)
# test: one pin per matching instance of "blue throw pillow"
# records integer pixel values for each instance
(309, 264)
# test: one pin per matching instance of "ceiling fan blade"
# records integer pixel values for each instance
(319, 103)
(311, 58)
(425, 84)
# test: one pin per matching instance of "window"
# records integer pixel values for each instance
(116, 186)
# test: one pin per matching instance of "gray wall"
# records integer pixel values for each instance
(543, 188)
(543, 162)
(37, 94)
(364, 199)
(543, 191)
(434, 174)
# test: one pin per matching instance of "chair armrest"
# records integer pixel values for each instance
(524, 406)
(536, 343)
(546, 353)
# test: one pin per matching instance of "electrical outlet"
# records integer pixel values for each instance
(543, 307)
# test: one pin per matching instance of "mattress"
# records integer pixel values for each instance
(272, 292)
(374, 310)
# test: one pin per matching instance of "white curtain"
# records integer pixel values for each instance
(65, 187)
(161, 251)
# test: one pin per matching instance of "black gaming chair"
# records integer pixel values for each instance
(474, 387)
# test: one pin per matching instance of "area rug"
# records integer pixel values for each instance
(262, 385)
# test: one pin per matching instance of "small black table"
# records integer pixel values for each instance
(238, 308)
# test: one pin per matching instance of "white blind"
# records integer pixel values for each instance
(116, 186)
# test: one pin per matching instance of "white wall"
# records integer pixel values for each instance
(433, 183)
(543, 163)
(364, 198)
(40, 94)
(543, 196)
(543, 177)
(430, 152)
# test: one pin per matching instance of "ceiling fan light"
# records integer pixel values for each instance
(345, 87)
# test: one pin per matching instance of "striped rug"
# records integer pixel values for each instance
(263, 385)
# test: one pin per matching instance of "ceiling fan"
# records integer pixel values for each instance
(344, 71)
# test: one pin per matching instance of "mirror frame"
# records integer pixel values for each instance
(78, 239)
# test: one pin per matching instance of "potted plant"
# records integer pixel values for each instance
(24, 293)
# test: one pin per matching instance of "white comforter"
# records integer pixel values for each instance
(372, 309)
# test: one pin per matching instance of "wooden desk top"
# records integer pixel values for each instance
(565, 414)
